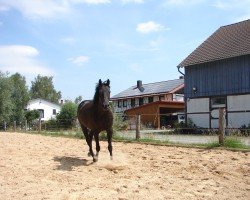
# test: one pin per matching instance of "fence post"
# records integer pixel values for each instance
(14, 126)
(5, 126)
(26, 126)
(222, 125)
(40, 125)
(138, 126)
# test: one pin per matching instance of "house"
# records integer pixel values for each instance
(217, 75)
(48, 110)
(155, 102)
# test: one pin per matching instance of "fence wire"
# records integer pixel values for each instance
(125, 128)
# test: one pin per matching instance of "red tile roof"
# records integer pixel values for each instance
(228, 41)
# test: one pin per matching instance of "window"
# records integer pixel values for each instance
(140, 101)
(150, 99)
(41, 113)
(54, 111)
(119, 104)
(124, 103)
(132, 103)
(218, 102)
(162, 98)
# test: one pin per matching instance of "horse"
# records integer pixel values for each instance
(95, 116)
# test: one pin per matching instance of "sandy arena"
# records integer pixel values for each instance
(40, 167)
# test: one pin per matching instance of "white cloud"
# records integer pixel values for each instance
(22, 59)
(135, 67)
(182, 2)
(44, 9)
(80, 60)
(38, 8)
(3, 8)
(91, 1)
(150, 26)
(68, 40)
(132, 1)
(242, 7)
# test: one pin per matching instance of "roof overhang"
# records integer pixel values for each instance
(173, 105)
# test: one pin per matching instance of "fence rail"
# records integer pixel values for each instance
(132, 127)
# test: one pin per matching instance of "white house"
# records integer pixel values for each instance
(48, 110)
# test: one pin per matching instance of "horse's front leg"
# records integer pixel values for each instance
(109, 135)
(90, 145)
(98, 148)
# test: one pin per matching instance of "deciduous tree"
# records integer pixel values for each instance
(43, 87)
(19, 96)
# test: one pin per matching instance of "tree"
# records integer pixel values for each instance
(19, 96)
(43, 88)
(78, 100)
(6, 104)
(32, 115)
(67, 115)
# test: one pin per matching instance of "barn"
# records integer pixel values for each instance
(217, 75)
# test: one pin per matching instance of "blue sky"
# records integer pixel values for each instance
(80, 41)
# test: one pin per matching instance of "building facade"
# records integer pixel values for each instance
(48, 110)
(217, 75)
(142, 94)
(159, 104)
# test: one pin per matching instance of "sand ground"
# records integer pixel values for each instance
(42, 167)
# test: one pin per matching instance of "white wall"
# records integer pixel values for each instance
(198, 105)
(238, 103)
(201, 120)
(238, 110)
(44, 105)
(197, 109)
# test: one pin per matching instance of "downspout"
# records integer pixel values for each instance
(184, 95)
(180, 70)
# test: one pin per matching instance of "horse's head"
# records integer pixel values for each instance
(102, 95)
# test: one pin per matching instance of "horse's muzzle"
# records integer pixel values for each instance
(105, 107)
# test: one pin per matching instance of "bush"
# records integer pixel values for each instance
(119, 123)
(67, 116)
(32, 115)
(245, 130)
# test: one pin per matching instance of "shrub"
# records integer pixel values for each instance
(67, 116)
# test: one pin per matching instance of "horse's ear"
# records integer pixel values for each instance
(108, 82)
(100, 82)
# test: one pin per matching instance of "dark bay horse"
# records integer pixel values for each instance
(95, 116)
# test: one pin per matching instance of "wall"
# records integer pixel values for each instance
(46, 106)
(203, 114)
(223, 77)
(238, 110)
(198, 111)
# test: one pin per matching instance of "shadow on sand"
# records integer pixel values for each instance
(67, 163)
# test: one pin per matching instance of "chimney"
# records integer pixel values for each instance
(139, 84)
(61, 102)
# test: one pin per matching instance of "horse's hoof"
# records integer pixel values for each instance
(89, 154)
(95, 159)
(111, 157)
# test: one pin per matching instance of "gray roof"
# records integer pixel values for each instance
(150, 88)
(228, 41)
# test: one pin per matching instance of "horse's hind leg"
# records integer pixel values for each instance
(86, 135)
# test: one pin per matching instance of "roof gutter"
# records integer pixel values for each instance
(180, 70)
